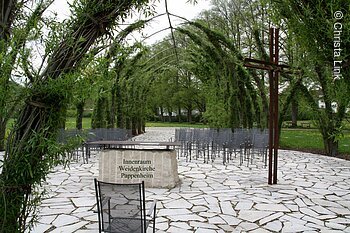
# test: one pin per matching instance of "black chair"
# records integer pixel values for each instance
(122, 208)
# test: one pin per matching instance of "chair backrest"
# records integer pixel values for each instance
(121, 207)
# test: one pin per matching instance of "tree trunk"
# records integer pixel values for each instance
(80, 112)
(139, 126)
(63, 118)
(21, 169)
(107, 114)
(189, 114)
(113, 109)
(331, 145)
(134, 128)
(100, 115)
(170, 114)
(162, 114)
(2, 133)
(128, 124)
(119, 108)
(294, 113)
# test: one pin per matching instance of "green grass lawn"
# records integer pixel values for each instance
(310, 139)
(70, 123)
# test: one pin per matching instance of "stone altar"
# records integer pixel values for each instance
(157, 167)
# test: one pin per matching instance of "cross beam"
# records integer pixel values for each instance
(273, 69)
(266, 65)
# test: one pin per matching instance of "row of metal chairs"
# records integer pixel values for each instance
(227, 144)
(91, 135)
(99, 134)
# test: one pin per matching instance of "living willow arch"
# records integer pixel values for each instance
(233, 66)
(242, 97)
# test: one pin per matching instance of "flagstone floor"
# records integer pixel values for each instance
(312, 195)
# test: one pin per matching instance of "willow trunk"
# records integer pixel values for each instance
(21, 168)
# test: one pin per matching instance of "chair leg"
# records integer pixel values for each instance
(154, 218)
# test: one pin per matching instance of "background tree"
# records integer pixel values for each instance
(84, 86)
(317, 31)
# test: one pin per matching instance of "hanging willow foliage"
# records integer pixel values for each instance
(32, 150)
(240, 99)
(105, 111)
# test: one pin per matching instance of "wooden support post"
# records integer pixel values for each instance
(273, 67)
(276, 130)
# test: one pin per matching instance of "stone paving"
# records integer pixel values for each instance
(312, 195)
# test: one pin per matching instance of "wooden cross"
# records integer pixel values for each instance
(274, 69)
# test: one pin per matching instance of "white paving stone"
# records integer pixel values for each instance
(244, 205)
(204, 230)
(93, 226)
(321, 210)
(312, 192)
(300, 202)
(187, 217)
(339, 211)
(247, 226)
(41, 228)
(231, 220)
(70, 228)
(207, 214)
(227, 228)
(63, 220)
(341, 220)
(275, 226)
(272, 207)
(84, 201)
(226, 208)
(199, 209)
(47, 219)
(178, 203)
(290, 227)
(48, 211)
(162, 226)
(85, 231)
(309, 212)
(173, 229)
(202, 225)
(313, 220)
(260, 230)
(253, 215)
(216, 220)
(336, 226)
(168, 212)
(182, 225)
(270, 218)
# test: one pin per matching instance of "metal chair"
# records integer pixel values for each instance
(122, 208)
(260, 145)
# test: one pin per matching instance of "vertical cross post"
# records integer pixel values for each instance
(273, 69)
(273, 108)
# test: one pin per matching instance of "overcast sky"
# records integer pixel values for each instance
(177, 7)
